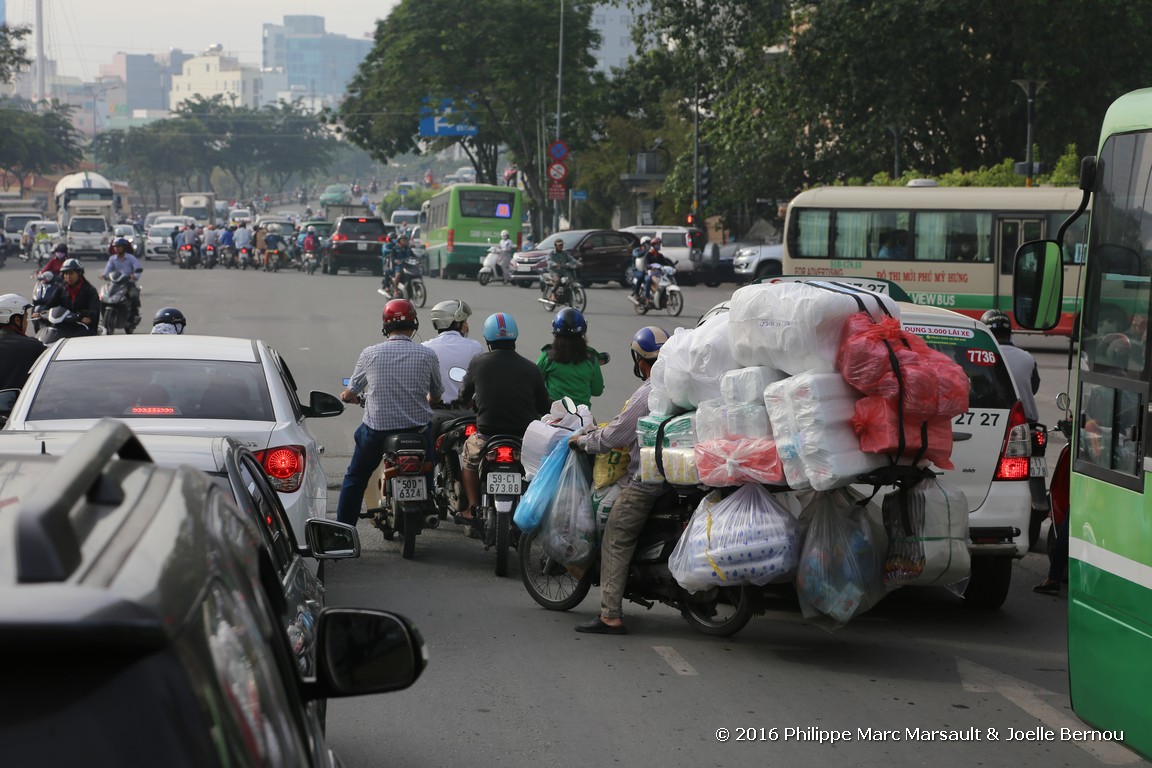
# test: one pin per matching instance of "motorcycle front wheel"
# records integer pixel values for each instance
(109, 321)
(674, 303)
(484, 278)
(720, 615)
(417, 294)
(579, 297)
(549, 583)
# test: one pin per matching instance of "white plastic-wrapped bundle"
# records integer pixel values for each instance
(745, 538)
(927, 529)
(709, 358)
(677, 374)
(795, 327)
(658, 400)
(810, 417)
(746, 385)
(711, 420)
(539, 440)
(748, 421)
(679, 431)
(679, 466)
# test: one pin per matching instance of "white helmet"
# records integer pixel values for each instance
(311, 229)
(446, 313)
(645, 240)
(11, 305)
(504, 233)
(273, 229)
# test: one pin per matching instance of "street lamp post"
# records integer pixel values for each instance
(559, 85)
(1030, 88)
(895, 131)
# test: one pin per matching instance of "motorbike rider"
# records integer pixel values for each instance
(452, 346)
(227, 241)
(639, 264)
(77, 295)
(188, 238)
(273, 241)
(560, 263)
(632, 507)
(125, 262)
(507, 248)
(396, 257)
(242, 237)
(509, 393)
(169, 321)
(59, 254)
(571, 368)
(18, 350)
(654, 258)
(212, 238)
(400, 381)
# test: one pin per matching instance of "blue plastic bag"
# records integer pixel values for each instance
(536, 500)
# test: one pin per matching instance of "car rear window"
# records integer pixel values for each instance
(484, 204)
(978, 355)
(361, 227)
(152, 389)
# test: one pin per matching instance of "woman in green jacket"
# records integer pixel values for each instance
(571, 368)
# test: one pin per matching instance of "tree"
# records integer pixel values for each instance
(296, 143)
(36, 142)
(13, 55)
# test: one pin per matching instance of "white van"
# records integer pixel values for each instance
(405, 216)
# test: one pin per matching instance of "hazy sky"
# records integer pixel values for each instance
(83, 34)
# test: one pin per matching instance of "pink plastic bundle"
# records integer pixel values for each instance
(863, 355)
(877, 424)
(721, 463)
(952, 385)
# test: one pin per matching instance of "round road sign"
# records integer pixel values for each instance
(557, 171)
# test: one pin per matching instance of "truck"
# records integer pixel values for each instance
(198, 205)
(89, 228)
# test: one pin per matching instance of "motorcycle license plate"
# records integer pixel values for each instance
(362, 246)
(1039, 467)
(409, 489)
(504, 483)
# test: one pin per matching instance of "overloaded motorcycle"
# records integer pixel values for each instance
(61, 323)
(667, 296)
(569, 292)
(116, 304)
(47, 286)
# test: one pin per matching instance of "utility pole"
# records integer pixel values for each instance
(41, 78)
(1030, 88)
(559, 84)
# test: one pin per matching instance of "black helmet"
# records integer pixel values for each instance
(171, 316)
(569, 322)
(71, 265)
(998, 322)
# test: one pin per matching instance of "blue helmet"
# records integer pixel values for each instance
(569, 322)
(646, 344)
(500, 327)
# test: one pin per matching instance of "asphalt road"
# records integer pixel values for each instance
(509, 684)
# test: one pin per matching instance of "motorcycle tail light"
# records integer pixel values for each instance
(469, 430)
(504, 454)
(410, 465)
(284, 467)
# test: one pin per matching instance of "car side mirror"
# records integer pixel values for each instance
(330, 540)
(322, 404)
(7, 403)
(362, 651)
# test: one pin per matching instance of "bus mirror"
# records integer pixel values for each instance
(1038, 285)
(1088, 173)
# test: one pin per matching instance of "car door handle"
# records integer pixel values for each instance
(960, 436)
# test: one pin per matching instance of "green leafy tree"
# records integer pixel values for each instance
(13, 54)
(36, 142)
(296, 143)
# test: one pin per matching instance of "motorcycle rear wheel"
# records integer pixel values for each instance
(408, 546)
(579, 297)
(675, 304)
(417, 294)
(725, 615)
(503, 533)
(550, 584)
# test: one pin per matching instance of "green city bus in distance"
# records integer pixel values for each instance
(460, 222)
(1110, 519)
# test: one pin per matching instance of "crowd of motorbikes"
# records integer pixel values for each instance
(273, 259)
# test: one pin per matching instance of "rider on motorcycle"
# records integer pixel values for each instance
(77, 295)
(571, 368)
(123, 261)
(394, 258)
(273, 241)
(227, 240)
(59, 254)
(507, 248)
(451, 345)
(634, 504)
(653, 258)
(18, 350)
(509, 393)
(638, 265)
(560, 263)
(169, 321)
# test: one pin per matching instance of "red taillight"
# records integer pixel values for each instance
(504, 454)
(152, 410)
(1016, 453)
(361, 221)
(382, 239)
(410, 465)
(439, 442)
(469, 430)
(284, 467)
(339, 238)
(451, 246)
(1041, 438)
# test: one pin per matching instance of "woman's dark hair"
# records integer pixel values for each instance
(569, 349)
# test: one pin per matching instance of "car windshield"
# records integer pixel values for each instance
(149, 389)
(90, 226)
(125, 231)
(336, 189)
(362, 227)
(570, 240)
(16, 223)
(977, 354)
(50, 227)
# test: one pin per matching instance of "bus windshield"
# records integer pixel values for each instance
(486, 204)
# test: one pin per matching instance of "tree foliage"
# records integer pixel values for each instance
(36, 141)
(13, 54)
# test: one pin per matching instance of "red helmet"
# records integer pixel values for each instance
(399, 314)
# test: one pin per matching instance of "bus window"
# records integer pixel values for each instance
(1013, 234)
(811, 233)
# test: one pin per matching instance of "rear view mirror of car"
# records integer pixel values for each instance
(322, 404)
(363, 651)
(330, 540)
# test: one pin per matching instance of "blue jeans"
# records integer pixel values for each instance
(365, 459)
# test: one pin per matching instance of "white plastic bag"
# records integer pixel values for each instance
(746, 385)
(568, 533)
(927, 535)
(539, 440)
(749, 421)
(709, 358)
(746, 538)
(711, 421)
(602, 501)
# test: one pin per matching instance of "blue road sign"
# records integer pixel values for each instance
(579, 195)
(558, 150)
(447, 121)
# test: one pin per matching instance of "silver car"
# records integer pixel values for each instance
(187, 385)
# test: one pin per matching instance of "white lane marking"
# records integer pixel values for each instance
(978, 679)
(674, 660)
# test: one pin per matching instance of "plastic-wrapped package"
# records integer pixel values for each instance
(602, 501)
(539, 440)
(679, 431)
(877, 427)
(745, 538)
(952, 384)
(840, 570)
(746, 385)
(569, 530)
(678, 380)
(927, 528)
(679, 466)
(749, 421)
(863, 358)
(795, 327)
(722, 463)
(534, 503)
(711, 420)
(810, 417)
(659, 402)
(559, 416)
(709, 358)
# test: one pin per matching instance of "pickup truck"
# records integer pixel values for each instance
(88, 234)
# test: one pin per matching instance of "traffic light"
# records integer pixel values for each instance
(691, 219)
(705, 178)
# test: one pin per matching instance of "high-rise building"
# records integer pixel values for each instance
(216, 74)
(614, 21)
(3, 11)
(317, 64)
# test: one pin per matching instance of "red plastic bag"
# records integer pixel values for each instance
(952, 385)
(877, 425)
(721, 463)
(863, 356)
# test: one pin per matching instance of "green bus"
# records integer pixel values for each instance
(1110, 519)
(459, 223)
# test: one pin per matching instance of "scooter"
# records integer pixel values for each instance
(501, 486)
(402, 504)
(186, 257)
(245, 258)
(272, 260)
(116, 304)
(310, 262)
(228, 257)
(490, 266)
(569, 290)
(210, 258)
(61, 323)
(667, 295)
